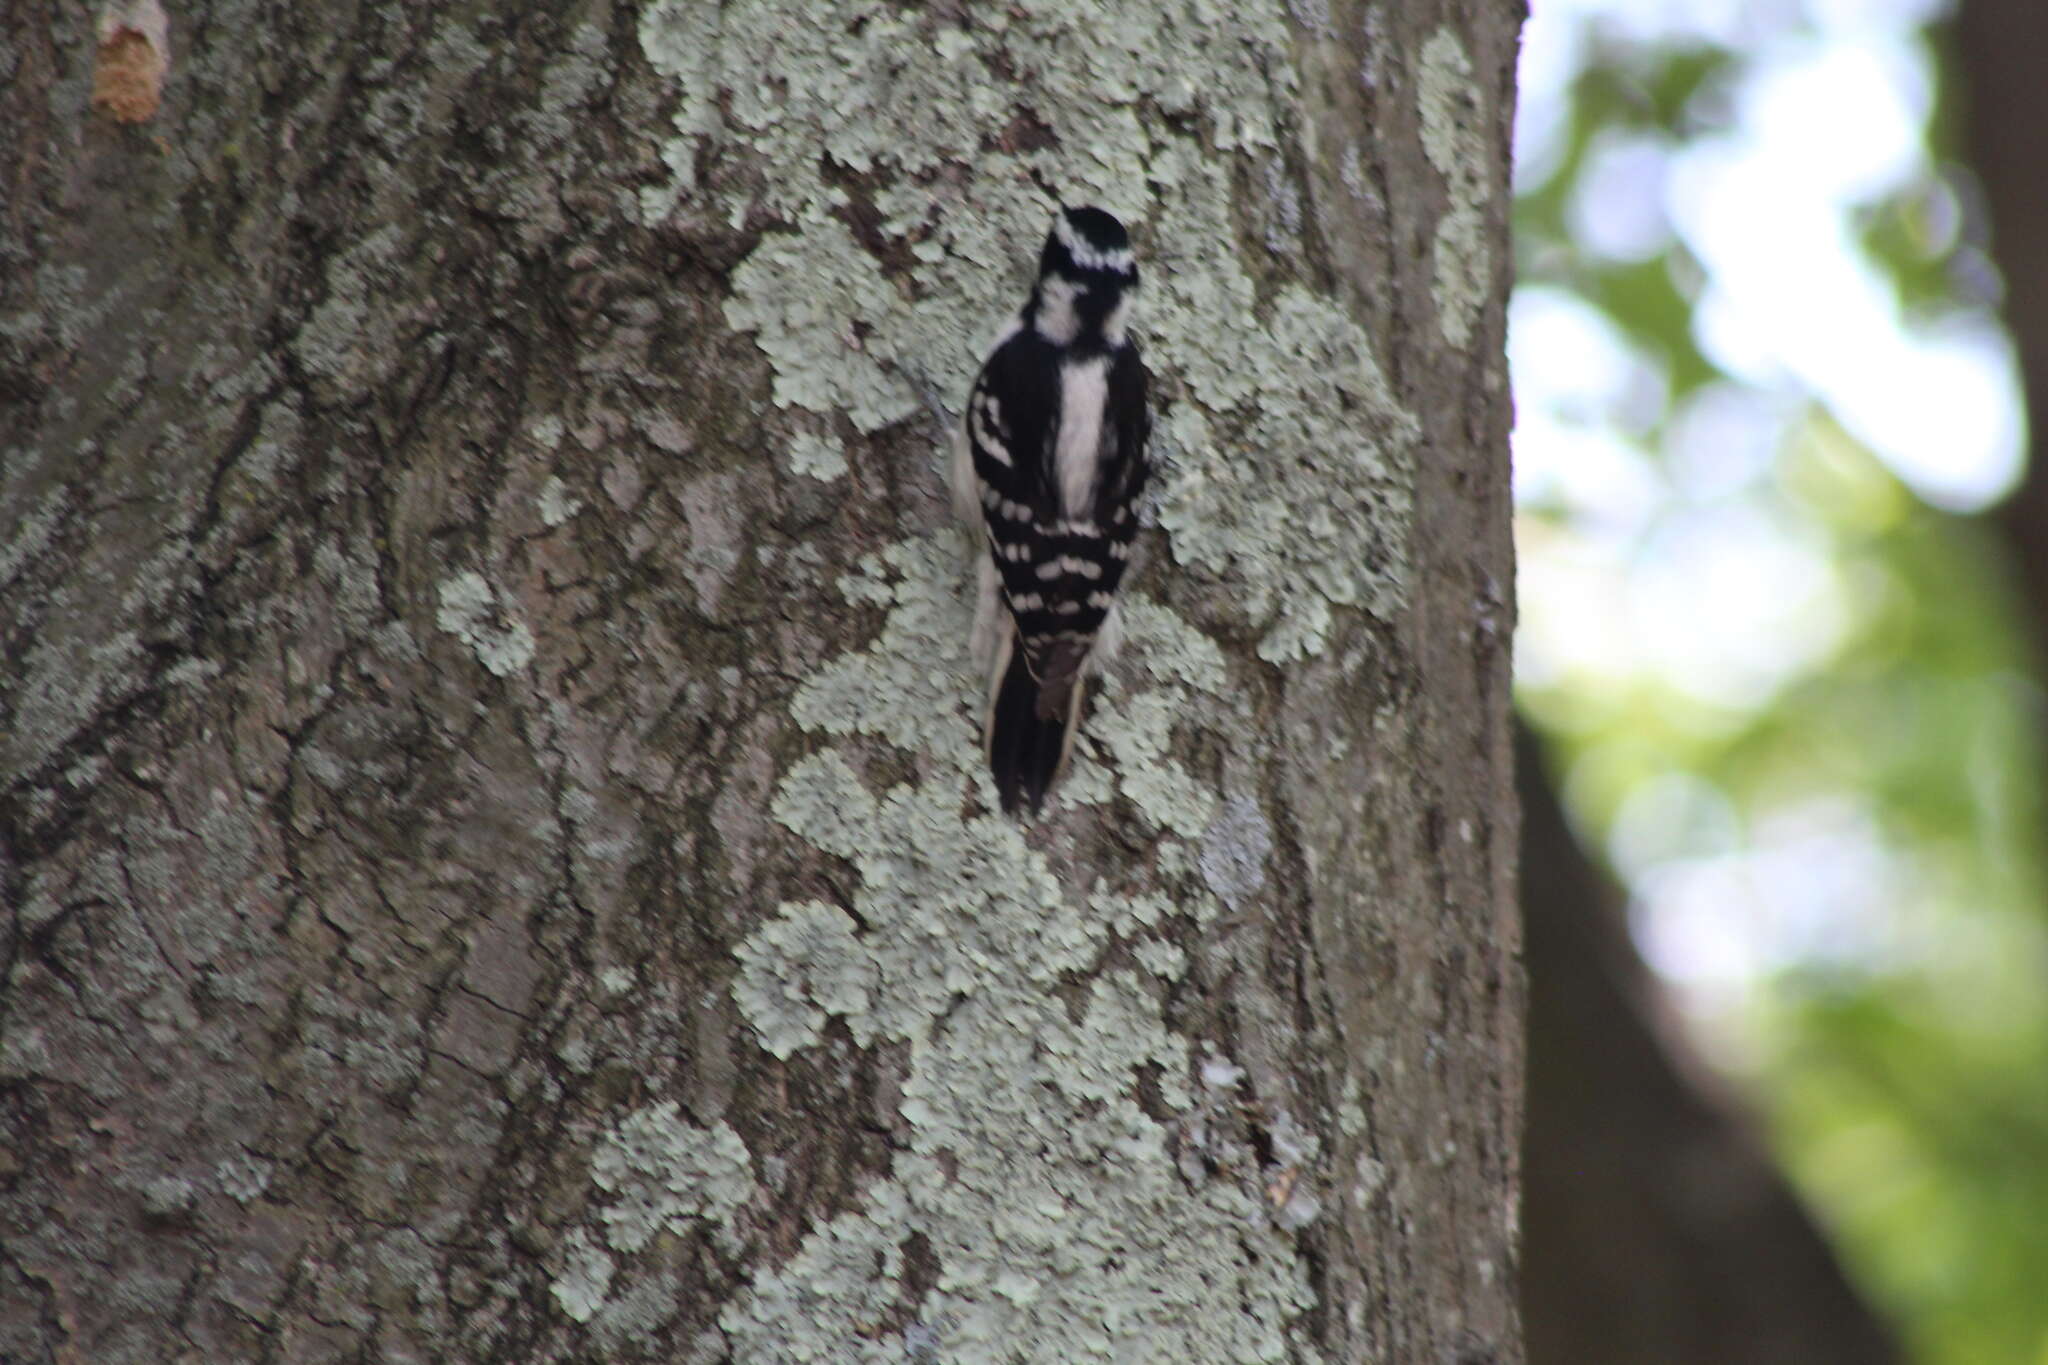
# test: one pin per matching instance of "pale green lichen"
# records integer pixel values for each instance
(1042, 1190)
(817, 457)
(557, 505)
(663, 1171)
(168, 1197)
(1293, 455)
(31, 534)
(1135, 727)
(1038, 1186)
(1162, 959)
(1126, 915)
(190, 672)
(577, 1052)
(1295, 480)
(680, 41)
(1288, 427)
(471, 612)
(803, 965)
(243, 1177)
(882, 88)
(808, 333)
(917, 671)
(1454, 137)
(1351, 1119)
(586, 1275)
(1372, 1178)
(1137, 732)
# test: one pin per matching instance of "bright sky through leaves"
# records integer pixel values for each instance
(1757, 370)
(1823, 120)
(1667, 563)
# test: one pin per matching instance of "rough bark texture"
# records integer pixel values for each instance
(493, 850)
(1655, 1225)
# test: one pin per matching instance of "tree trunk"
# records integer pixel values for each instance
(495, 850)
(2005, 137)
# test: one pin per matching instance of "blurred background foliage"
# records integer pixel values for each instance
(1786, 679)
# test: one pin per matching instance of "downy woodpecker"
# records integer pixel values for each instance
(1049, 463)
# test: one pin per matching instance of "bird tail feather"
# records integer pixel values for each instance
(1031, 726)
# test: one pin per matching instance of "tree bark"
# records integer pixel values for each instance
(2005, 139)
(494, 847)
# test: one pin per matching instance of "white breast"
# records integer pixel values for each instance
(1077, 450)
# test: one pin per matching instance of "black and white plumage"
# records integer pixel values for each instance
(1049, 462)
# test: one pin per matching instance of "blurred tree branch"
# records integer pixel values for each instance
(2005, 136)
(1655, 1226)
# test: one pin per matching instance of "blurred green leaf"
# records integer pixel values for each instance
(1906, 1084)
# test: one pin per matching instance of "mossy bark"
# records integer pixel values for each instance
(439, 576)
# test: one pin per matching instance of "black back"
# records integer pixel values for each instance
(1022, 373)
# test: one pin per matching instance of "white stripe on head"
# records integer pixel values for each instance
(1089, 256)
